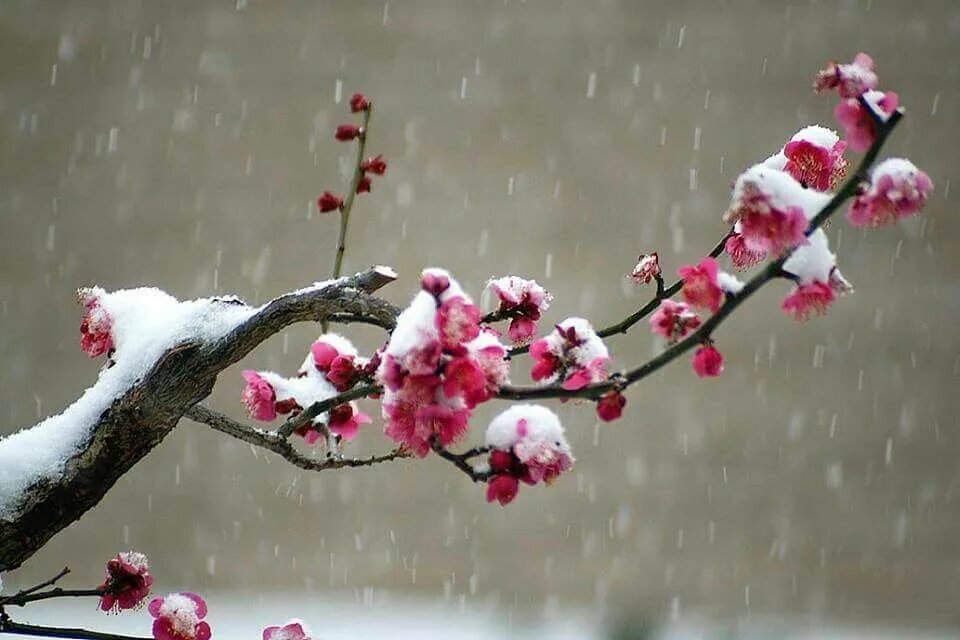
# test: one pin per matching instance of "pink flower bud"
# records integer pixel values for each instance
(610, 406)
(359, 102)
(708, 362)
(329, 202)
(347, 132)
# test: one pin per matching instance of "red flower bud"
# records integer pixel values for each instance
(364, 185)
(359, 102)
(347, 132)
(610, 406)
(375, 165)
(328, 202)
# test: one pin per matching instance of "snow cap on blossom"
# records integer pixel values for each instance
(648, 268)
(437, 366)
(127, 582)
(96, 336)
(898, 189)
(708, 362)
(858, 123)
(818, 281)
(700, 285)
(850, 80)
(814, 157)
(528, 444)
(523, 301)
(772, 208)
(179, 616)
(673, 320)
(292, 630)
(334, 358)
(575, 349)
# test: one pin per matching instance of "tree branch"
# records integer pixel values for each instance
(140, 418)
(9, 626)
(460, 460)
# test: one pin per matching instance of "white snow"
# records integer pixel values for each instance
(780, 187)
(816, 134)
(729, 282)
(812, 261)
(900, 169)
(146, 323)
(540, 425)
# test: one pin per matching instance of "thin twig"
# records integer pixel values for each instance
(20, 601)
(9, 626)
(272, 441)
(20, 595)
(459, 460)
(351, 196)
(301, 419)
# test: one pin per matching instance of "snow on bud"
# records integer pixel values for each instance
(648, 268)
(528, 444)
(858, 123)
(850, 80)
(179, 616)
(437, 366)
(700, 286)
(673, 320)
(573, 350)
(523, 301)
(346, 132)
(96, 337)
(898, 189)
(292, 630)
(610, 406)
(127, 582)
(329, 202)
(376, 165)
(772, 209)
(708, 362)
(359, 102)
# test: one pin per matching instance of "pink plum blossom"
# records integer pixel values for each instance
(814, 165)
(674, 320)
(179, 616)
(502, 488)
(96, 338)
(647, 269)
(573, 349)
(807, 299)
(127, 582)
(898, 190)
(850, 80)
(259, 396)
(292, 630)
(859, 123)
(708, 362)
(458, 321)
(523, 301)
(741, 256)
(345, 421)
(700, 286)
(610, 406)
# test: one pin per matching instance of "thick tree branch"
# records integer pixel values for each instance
(15, 628)
(138, 420)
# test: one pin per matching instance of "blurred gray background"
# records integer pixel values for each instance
(182, 144)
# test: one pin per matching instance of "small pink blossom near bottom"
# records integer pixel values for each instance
(503, 488)
(127, 582)
(179, 616)
(292, 630)
(708, 362)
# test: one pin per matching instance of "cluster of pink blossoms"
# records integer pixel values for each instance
(523, 301)
(330, 201)
(527, 445)
(96, 338)
(897, 190)
(705, 286)
(331, 367)
(292, 630)
(179, 616)
(438, 366)
(127, 582)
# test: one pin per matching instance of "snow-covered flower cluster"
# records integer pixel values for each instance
(898, 189)
(523, 301)
(127, 582)
(850, 80)
(292, 630)
(647, 269)
(438, 365)
(527, 444)
(572, 353)
(813, 267)
(770, 210)
(857, 83)
(814, 157)
(179, 616)
(674, 320)
(332, 366)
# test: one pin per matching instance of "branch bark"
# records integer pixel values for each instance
(142, 417)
